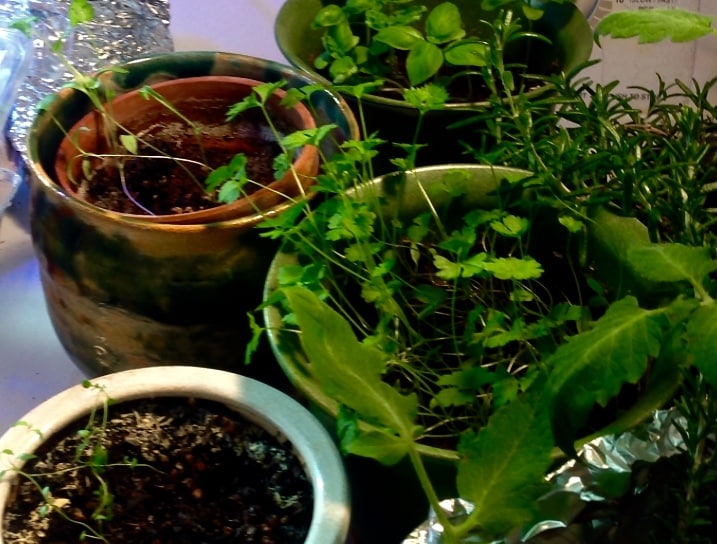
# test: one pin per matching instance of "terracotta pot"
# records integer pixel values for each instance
(126, 292)
(195, 98)
(274, 411)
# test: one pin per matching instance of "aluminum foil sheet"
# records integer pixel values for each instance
(575, 484)
(121, 30)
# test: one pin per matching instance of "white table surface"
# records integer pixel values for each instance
(33, 364)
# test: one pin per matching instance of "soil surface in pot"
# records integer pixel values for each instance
(166, 186)
(203, 474)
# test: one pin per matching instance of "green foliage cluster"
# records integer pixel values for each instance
(590, 150)
(405, 43)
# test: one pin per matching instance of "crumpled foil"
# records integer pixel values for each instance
(120, 31)
(575, 483)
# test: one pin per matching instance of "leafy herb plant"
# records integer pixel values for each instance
(590, 151)
(405, 44)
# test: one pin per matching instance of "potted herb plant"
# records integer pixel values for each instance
(593, 155)
(172, 453)
(156, 293)
(461, 288)
(398, 62)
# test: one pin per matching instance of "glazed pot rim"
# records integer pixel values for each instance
(249, 397)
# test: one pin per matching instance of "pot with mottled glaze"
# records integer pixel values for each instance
(125, 292)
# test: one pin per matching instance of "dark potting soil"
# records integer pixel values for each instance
(166, 186)
(203, 474)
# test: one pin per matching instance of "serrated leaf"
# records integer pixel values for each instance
(702, 341)
(511, 225)
(672, 262)
(514, 268)
(591, 367)
(502, 473)
(655, 25)
(450, 270)
(348, 370)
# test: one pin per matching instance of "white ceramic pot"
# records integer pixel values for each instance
(271, 409)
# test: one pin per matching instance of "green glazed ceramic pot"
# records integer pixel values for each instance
(391, 496)
(123, 292)
(394, 119)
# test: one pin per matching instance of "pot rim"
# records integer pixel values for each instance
(258, 402)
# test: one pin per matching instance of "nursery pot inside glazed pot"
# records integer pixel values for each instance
(165, 176)
(125, 291)
(232, 406)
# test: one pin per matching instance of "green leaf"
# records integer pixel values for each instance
(511, 225)
(253, 343)
(449, 270)
(453, 396)
(341, 40)
(426, 97)
(246, 103)
(329, 15)
(514, 268)
(348, 370)
(386, 448)
(423, 62)
(399, 37)
(80, 11)
(25, 24)
(672, 262)
(702, 341)
(342, 68)
(531, 13)
(654, 25)
(573, 225)
(129, 142)
(444, 24)
(592, 367)
(266, 89)
(502, 472)
(467, 53)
